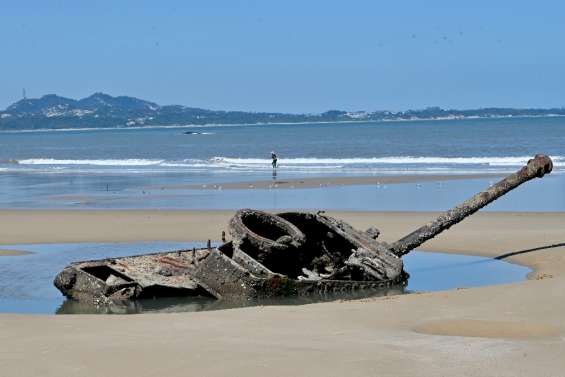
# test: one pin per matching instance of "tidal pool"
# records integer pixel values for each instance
(26, 281)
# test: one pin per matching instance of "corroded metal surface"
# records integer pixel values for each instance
(272, 255)
(535, 168)
(334, 248)
(135, 277)
(265, 237)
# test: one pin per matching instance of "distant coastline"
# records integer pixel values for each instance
(172, 126)
(102, 111)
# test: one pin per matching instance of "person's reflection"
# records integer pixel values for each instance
(274, 174)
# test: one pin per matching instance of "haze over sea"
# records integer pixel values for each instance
(119, 168)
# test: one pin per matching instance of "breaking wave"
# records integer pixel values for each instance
(299, 164)
(124, 162)
(397, 160)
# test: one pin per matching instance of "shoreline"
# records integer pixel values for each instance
(438, 119)
(505, 330)
(316, 182)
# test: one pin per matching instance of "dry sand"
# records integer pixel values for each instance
(329, 181)
(506, 330)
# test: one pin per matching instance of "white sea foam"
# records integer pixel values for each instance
(300, 164)
(395, 160)
(123, 162)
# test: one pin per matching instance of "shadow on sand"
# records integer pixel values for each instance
(511, 254)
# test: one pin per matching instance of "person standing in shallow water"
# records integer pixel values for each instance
(274, 158)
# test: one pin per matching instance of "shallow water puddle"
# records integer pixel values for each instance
(26, 281)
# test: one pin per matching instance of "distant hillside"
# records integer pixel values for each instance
(104, 111)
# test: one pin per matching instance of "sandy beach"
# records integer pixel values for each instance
(507, 330)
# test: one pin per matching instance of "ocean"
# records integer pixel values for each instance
(121, 168)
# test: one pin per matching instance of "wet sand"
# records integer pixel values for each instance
(329, 181)
(506, 330)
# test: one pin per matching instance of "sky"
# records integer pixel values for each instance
(288, 56)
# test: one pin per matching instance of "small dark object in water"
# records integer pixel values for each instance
(290, 253)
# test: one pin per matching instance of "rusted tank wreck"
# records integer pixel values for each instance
(269, 255)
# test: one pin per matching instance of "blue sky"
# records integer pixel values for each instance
(295, 56)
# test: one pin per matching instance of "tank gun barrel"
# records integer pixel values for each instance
(535, 168)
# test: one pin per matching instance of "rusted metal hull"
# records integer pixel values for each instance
(214, 273)
(130, 278)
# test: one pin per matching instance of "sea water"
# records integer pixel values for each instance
(26, 281)
(120, 168)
